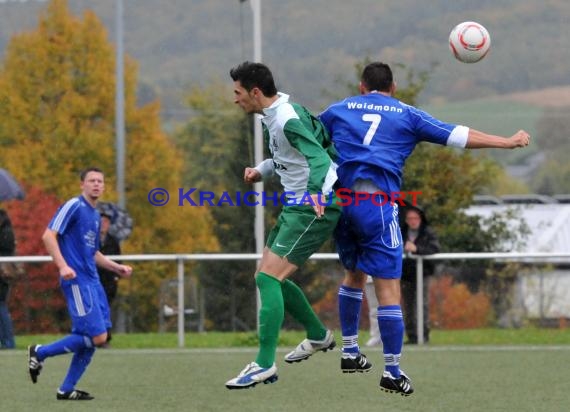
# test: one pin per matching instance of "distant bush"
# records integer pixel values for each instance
(453, 306)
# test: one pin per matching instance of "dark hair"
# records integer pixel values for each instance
(7, 238)
(252, 75)
(89, 169)
(377, 76)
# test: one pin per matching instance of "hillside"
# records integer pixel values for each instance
(544, 98)
(314, 45)
(504, 115)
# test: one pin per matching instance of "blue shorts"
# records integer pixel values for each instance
(368, 238)
(88, 307)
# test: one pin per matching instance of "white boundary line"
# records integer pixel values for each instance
(454, 348)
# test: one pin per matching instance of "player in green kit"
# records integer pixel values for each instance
(298, 144)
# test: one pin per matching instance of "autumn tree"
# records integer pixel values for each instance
(44, 309)
(57, 114)
(217, 145)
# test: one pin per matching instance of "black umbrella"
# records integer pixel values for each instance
(121, 222)
(9, 188)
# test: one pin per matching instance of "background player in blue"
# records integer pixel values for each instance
(72, 240)
(374, 134)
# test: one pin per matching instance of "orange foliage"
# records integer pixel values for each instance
(327, 309)
(453, 306)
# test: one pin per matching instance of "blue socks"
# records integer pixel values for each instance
(79, 363)
(70, 343)
(392, 334)
(390, 321)
(82, 348)
(349, 305)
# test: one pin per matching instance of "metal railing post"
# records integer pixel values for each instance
(181, 311)
(420, 299)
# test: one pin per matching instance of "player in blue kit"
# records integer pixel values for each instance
(72, 240)
(374, 134)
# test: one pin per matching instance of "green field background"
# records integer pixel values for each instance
(472, 370)
(477, 378)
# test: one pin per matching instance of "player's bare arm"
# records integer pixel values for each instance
(479, 140)
(104, 262)
(50, 241)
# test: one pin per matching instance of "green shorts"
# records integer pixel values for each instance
(298, 232)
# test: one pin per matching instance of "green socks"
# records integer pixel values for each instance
(297, 305)
(271, 316)
(276, 297)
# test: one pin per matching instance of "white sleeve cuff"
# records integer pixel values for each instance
(458, 137)
(265, 168)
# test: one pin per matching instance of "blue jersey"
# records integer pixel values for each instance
(374, 134)
(77, 224)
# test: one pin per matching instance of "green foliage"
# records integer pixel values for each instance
(503, 184)
(413, 84)
(217, 147)
(553, 176)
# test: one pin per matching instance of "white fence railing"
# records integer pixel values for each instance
(500, 257)
(180, 259)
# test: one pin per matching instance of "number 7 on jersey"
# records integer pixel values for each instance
(374, 120)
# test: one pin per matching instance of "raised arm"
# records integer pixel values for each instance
(479, 140)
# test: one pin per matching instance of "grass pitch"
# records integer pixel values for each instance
(446, 378)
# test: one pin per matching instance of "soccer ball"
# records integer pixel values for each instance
(469, 42)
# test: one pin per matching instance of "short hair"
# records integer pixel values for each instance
(108, 215)
(84, 172)
(252, 75)
(377, 76)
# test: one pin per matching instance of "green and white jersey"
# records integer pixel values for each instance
(298, 144)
